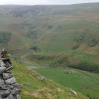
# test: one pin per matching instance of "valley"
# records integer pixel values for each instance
(82, 81)
(56, 36)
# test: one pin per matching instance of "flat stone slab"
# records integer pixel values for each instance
(10, 81)
(17, 86)
(2, 69)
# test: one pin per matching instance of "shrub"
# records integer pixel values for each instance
(93, 42)
(35, 48)
(84, 65)
(5, 37)
(50, 27)
(75, 47)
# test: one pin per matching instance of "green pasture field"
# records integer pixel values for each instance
(33, 88)
(81, 81)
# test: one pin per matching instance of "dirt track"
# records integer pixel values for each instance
(36, 67)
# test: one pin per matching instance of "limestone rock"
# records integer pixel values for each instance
(15, 91)
(17, 86)
(9, 89)
(3, 87)
(2, 63)
(7, 76)
(6, 93)
(1, 83)
(10, 96)
(27, 84)
(9, 86)
(41, 78)
(7, 64)
(2, 69)
(18, 96)
(10, 81)
(9, 68)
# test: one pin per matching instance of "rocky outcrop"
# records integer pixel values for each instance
(9, 89)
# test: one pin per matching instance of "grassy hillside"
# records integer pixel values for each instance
(51, 35)
(33, 88)
(67, 27)
(84, 82)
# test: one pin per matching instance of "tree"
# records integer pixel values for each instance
(35, 48)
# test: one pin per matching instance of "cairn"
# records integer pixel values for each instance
(9, 89)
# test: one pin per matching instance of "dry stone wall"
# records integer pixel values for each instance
(9, 89)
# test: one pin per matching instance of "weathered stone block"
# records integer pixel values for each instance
(7, 76)
(27, 84)
(10, 97)
(6, 93)
(1, 92)
(2, 63)
(18, 96)
(2, 69)
(10, 81)
(9, 68)
(42, 78)
(7, 64)
(17, 86)
(15, 91)
(9, 89)
(1, 82)
(3, 87)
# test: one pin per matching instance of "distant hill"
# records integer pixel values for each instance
(51, 29)
(66, 27)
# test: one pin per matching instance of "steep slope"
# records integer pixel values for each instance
(34, 88)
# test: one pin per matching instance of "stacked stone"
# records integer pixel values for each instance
(9, 89)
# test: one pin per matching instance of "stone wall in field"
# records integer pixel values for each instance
(9, 89)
